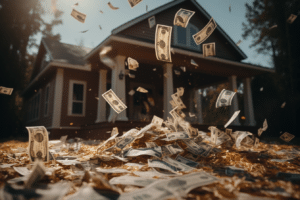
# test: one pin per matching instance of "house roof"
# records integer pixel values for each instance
(65, 53)
(161, 9)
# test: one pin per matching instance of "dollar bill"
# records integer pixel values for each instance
(287, 137)
(192, 114)
(132, 64)
(131, 92)
(183, 68)
(283, 105)
(256, 143)
(264, 128)
(236, 113)
(225, 98)
(111, 170)
(194, 63)
(177, 114)
(38, 143)
(177, 72)
(155, 151)
(163, 42)
(151, 21)
(171, 149)
(162, 164)
(291, 18)
(209, 49)
(238, 43)
(22, 170)
(181, 166)
(143, 90)
(193, 132)
(132, 180)
(202, 35)
(214, 135)
(180, 91)
(7, 91)
(114, 101)
(177, 136)
(133, 3)
(151, 144)
(157, 121)
(192, 156)
(114, 134)
(78, 15)
(124, 141)
(171, 124)
(112, 7)
(240, 136)
(173, 104)
(183, 17)
(193, 147)
(36, 175)
(187, 161)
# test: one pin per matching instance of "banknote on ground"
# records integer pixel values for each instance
(209, 49)
(225, 98)
(133, 3)
(151, 21)
(36, 175)
(78, 15)
(181, 166)
(202, 35)
(240, 136)
(114, 101)
(132, 180)
(163, 42)
(38, 143)
(5, 90)
(187, 161)
(155, 151)
(182, 17)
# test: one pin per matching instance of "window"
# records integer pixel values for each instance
(183, 37)
(77, 92)
(47, 100)
(34, 108)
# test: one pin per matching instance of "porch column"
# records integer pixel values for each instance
(198, 98)
(119, 87)
(168, 88)
(101, 111)
(58, 95)
(249, 111)
(234, 104)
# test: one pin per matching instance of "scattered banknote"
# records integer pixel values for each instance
(151, 144)
(287, 137)
(143, 90)
(283, 104)
(131, 92)
(38, 143)
(132, 180)
(202, 35)
(114, 101)
(111, 170)
(177, 136)
(291, 18)
(132, 63)
(114, 134)
(155, 151)
(36, 175)
(181, 166)
(194, 63)
(22, 170)
(274, 26)
(162, 164)
(171, 124)
(112, 7)
(182, 17)
(187, 161)
(87, 192)
(133, 3)
(256, 143)
(78, 15)
(7, 91)
(157, 121)
(209, 49)
(84, 31)
(225, 98)
(264, 128)
(151, 21)
(180, 91)
(124, 141)
(183, 68)
(135, 165)
(233, 117)
(163, 42)
(192, 114)
(177, 100)
(171, 149)
(214, 135)
(177, 72)
(238, 43)
(240, 136)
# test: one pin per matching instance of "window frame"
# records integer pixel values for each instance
(71, 101)
(46, 103)
(32, 108)
(188, 39)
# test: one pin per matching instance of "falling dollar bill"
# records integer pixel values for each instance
(238, 43)
(183, 68)
(112, 7)
(157, 120)
(38, 143)
(133, 3)
(143, 90)
(176, 113)
(132, 63)
(183, 17)
(274, 26)
(125, 141)
(78, 15)
(180, 91)
(287, 137)
(7, 91)
(202, 35)
(225, 98)
(177, 100)
(236, 113)
(209, 49)
(131, 92)
(114, 101)
(151, 21)
(264, 128)
(291, 19)
(163, 42)
(194, 63)
(36, 175)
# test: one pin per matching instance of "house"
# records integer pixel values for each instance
(65, 93)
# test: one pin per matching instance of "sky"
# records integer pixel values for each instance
(70, 30)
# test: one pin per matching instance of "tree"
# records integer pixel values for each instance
(283, 44)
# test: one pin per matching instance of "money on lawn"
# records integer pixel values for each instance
(187, 161)
(114, 101)
(133, 3)
(214, 135)
(132, 180)
(171, 149)
(209, 49)
(183, 17)
(155, 151)
(287, 137)
(112, 7)
(181, 166)
(177, 136)
(202, 35)
(240, 136)
(162, 164)
(177, 100)
(132, 63)
(7, 91)
(225, 98)
(78, 15)
(236, 113)
(163, 42)
(151, 21)
(38, 143)
(36, 175)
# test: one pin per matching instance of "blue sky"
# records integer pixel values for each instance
(231, 22)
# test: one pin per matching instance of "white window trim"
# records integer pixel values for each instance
(47, 100)
(39, 106)
(189, 37)
(70, 100)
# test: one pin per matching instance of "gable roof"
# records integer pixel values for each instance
(167, 6)
(65, 53)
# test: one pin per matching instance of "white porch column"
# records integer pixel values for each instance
(168, 88)
(198, 98)
(119, 87)
(249, 111)
(101, 111)
(234, 104)
(59, 84)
